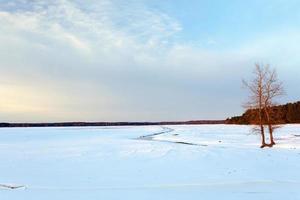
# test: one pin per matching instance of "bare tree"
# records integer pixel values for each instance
(264, 88)
(272, 89)
(255, 102)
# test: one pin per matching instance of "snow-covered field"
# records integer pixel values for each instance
(184, 162)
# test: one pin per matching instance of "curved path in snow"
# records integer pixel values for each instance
(163, 131)
(12, 187)
(166, 130)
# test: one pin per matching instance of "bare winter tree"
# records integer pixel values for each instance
(272, 89)
(264, 89)
(256, 100)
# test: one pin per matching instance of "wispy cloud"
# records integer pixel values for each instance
(115, 60)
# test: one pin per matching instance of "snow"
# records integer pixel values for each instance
(184, 162)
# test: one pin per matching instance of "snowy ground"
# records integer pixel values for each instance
(184, 162)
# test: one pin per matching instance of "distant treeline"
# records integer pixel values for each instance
(282, 114)
(65, 124)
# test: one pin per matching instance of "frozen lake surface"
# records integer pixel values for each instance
(148, 162)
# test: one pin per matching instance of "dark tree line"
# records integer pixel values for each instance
(283, 114)
(67, 124)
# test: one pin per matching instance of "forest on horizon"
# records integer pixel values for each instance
(283, 114)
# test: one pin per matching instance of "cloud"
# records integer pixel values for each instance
(113, 60)
(65, 48)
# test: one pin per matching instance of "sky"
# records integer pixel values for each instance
(141, 60)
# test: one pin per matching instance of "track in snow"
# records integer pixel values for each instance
(166, 130)
(12, 187)
(163, 131)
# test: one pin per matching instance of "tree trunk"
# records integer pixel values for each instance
(260, 104)
(262, 130)
(272, 138)
(263, 140)
(270, 126)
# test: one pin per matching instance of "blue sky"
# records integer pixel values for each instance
(147, 60)
(233, 19)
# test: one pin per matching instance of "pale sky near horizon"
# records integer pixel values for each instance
(140, 60)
